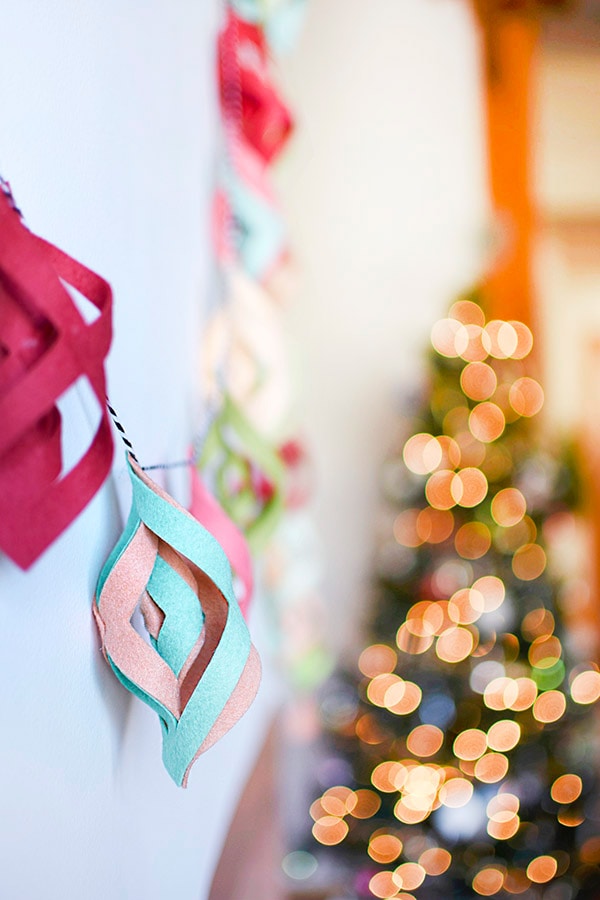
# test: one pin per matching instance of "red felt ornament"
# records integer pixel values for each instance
(248, 95)
(45, 347)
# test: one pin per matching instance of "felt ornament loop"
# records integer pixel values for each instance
(247, 91)
(200, 672)
(45, 347)
(248, 473)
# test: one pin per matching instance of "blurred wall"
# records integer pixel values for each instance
(109, 140)
(384, 187)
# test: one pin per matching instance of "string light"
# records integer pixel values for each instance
(473, 615)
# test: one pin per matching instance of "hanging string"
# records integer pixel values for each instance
(121, 431)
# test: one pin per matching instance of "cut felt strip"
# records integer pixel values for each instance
(199, 672)
(45, 347)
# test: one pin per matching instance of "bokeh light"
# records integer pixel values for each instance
(508, 507)
(382, 885)
(529, 562)
(384, 848)
(469, 487)
(438, 489)
(425, 740)
(486, 422)
(566, 789)
(491, 767)
(330, 830)
(454, 644)
(488, 881)
(478, 381)
(422, 454)
(409, 876)
(503, 735)
(503, 337)
(526, 397)
(542, 869)
(378, 659)
(435, 860)
(472, 540)
(549, 707)
(586, 687)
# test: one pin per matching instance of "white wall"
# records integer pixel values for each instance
(384, 186)
(108, 139)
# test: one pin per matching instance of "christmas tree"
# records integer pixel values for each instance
(464, 741)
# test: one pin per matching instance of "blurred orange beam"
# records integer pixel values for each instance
(510, 40)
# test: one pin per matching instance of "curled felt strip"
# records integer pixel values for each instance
(248, 474)
(247, 91)
(209, 513)
(200, 672)
(45, 346)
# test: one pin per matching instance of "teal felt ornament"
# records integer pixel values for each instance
(199, 671)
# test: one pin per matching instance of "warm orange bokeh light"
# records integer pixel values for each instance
(367, 804)
(542, 869)
(529, 562)
(470, 744)
(438, 489)
(549, 707)
(378, 659)
(382, 885)
(409, 876)
(478, 381)
(385, 848)
(422, 453)
(488, 881)
(491, 768)
(469, 487)
(330, 830)
(434, 526)
(454, 645)
(425, 740)
(508, 507)
(526, 397)
(566, 789)
(473, 540)
(486, 422)
(504, 735)
(586, 687)
(435, 861)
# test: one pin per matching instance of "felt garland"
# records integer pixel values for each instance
(45, 346)
(264, 119)
(248, 474)
(200, 671)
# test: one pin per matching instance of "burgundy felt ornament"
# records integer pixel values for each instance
(45, 347)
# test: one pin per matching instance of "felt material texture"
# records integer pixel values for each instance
(45, 347)
(199, 672)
